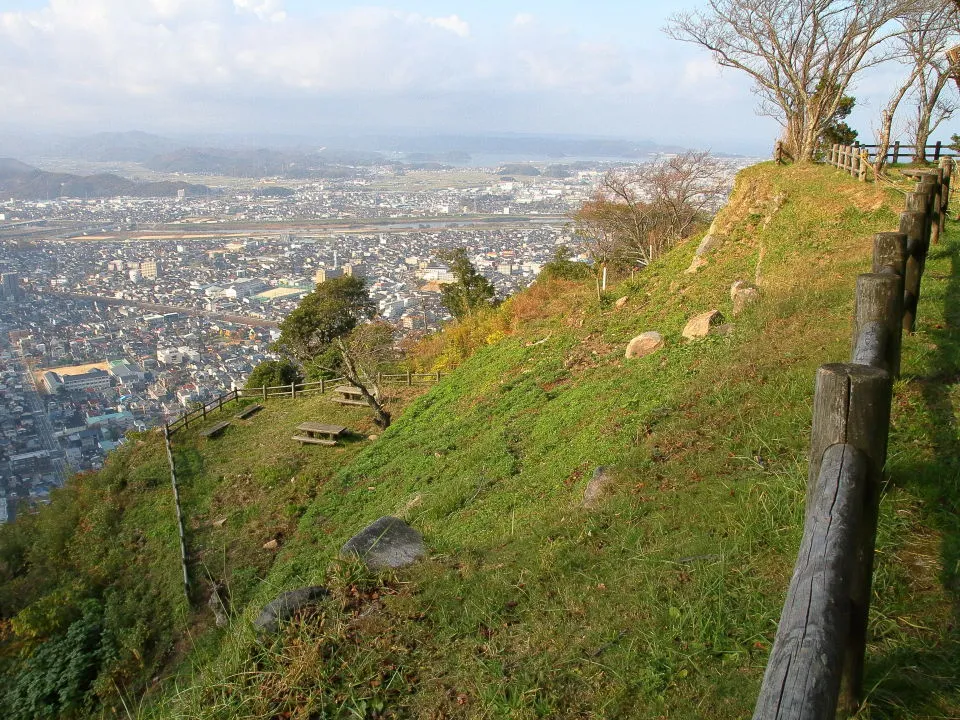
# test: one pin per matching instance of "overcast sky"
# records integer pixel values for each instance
(598, 68)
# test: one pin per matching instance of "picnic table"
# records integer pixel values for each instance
(349, 395)
(316, 433)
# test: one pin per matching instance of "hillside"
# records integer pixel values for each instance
(20, 181)
(659, 601)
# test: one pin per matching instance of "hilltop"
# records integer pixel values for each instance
(661, 600)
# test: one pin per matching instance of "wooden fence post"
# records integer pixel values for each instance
(932, 184)
(293, 389)
(805, 670)
(851, 405)
(409, 378)
(896, 152)
(946, 167)
(936, 151)
(890, 252)
(913, 223)
(864, 164)
(877, 321)
(323, 387)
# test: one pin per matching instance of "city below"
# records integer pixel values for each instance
(119, 313)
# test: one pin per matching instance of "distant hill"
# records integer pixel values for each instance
(20, 181)
(117, 147)
(262, 162)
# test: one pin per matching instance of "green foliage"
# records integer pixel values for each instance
(56, 680)
(562, 267)
(470, 292)
(331, 311)
(274, 373)
(837, 130)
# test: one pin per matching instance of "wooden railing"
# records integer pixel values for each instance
(857, 159)
(292, 390)
(816, 664)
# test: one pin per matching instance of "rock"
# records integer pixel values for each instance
(644, 344)
(696, 264)
(708, 243)
(373, 437)
(218, 607)
(387, 543)
(271, 544)
(699, 325)
(743, 294)
(724, 329)
(285, 606)
(599, 487)
(621, 302)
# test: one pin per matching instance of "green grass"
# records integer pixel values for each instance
(661, 602)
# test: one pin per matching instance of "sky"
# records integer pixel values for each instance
(308, 67)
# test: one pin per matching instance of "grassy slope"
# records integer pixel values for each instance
(662, 602)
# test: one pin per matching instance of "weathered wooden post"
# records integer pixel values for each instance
(946, 167)
(851, 405)
(936, 151)
(896, 152)
(293, 389)
(913, 223)
(932, 184)
(864, 164)
(263, 389)
(805, 670)
(323, 386)
(877, 321)
(409, 378)
(890, 252)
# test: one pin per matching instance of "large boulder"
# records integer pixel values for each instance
(387, 543)
(699, 325)
(599, 487)
(285, 606)
(644, 344)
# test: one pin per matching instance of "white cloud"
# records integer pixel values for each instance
(270, 10)
(143, 63)
(452, 23)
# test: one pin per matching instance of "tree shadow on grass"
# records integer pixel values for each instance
(920, 678)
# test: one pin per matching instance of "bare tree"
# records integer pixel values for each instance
(639, 213)
(927, 36)
(801, 54)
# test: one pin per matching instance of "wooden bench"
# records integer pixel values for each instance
(349, 395)
(215, 430)
(248, 411)
(316, 433)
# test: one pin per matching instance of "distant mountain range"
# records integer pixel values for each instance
(323, 158)
(25, 182)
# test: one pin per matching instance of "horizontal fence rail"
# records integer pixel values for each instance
(857, 160)
(817, 661)
(293, 390)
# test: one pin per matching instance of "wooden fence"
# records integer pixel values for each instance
(858, 159)
(816, 664)
(293, 390)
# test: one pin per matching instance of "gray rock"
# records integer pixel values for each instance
(644, 344)
(699, 325)
(599, 487)
(695, 264)
(743, 295)
(708, 243)
(285, 606)
(218, 607)
(387, 543)
(621, 302)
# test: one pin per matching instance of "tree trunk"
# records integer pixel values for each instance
(921, 136)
